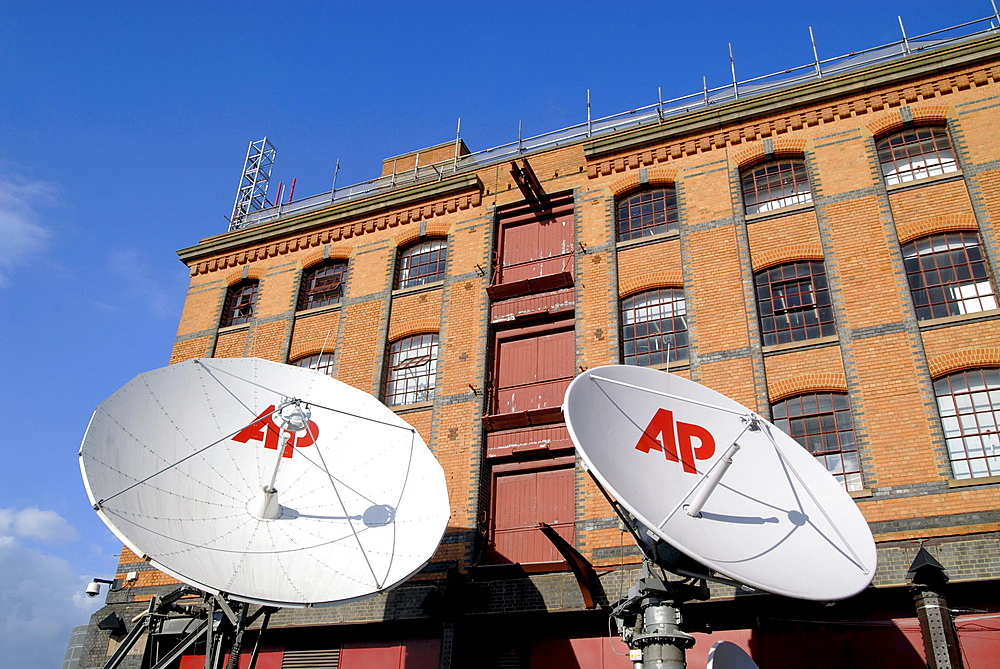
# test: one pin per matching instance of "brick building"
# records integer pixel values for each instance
(824, 252)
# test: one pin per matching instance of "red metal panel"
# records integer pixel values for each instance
(535, 248)
(422, 654)
(408, 654)
(556, 497)
(517, 362)
(549, 437)
(370, 655)
(531, 396)
(883, 644)
(697, 656)
(555, 236)
(520, 243)
(554, 302)
(513, 514)
(979, 636)
(533, 372)
(556, 355)
(267, 658)
(521, 501)
(582, 653)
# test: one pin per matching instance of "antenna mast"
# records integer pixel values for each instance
(252, 192)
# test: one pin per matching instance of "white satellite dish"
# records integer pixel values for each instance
(269, 483)
(763, 512)
(727, 655)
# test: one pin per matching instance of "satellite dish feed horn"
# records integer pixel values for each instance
(292, 418)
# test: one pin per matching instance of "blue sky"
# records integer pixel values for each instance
(122, 136)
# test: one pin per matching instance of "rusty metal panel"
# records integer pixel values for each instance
(555, 302)
(528, 440)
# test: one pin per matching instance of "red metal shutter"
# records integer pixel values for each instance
(408, 654)
(533, 373)
(535, 248)
(521, 501)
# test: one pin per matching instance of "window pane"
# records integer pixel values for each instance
(969, 409)
(798, 297)
(649, 212)
(777, 184)
(654, 329)
(412, 370)
(322, 285)
(239, 306)
(422, 263)
(947, 275)
(321, 362)
(915, 154)
(809, 419)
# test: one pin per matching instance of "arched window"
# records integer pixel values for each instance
(914, 154)
(775, 184)
(648, 212)
(822, 423)
(948, 276)
(969, 407)
(421, 263)
(412, 369)
(240, 301)
(654, 328)
(321, 362)
(793, 301)
(322, 285)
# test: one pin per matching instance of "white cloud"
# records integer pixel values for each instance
(23, 237)
(34, 523)
(41, 601)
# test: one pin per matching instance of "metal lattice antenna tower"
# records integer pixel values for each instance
(252, 193)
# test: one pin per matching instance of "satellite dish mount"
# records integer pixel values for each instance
(710, 491)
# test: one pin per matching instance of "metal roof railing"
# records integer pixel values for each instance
(653, 113)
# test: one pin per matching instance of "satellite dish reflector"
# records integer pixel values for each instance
(727, 655)
(270, 483)
(720, 483)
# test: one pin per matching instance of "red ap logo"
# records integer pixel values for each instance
(264, 429)
(664, 434)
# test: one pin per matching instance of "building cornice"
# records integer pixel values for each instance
(340, 221)
(855, 92)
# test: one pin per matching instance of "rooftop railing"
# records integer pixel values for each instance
(650, 114)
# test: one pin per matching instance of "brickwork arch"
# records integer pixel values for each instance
(248, 272)
(893, 121)
(659, 177)
(781, 147)
(806, 383)
(911, 230)
(305, 350)
(409, 328)
(969, 358)
(437, 229)
(313, 258)
(779, 256)
(409, 236)
(650, 281)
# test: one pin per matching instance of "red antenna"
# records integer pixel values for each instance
(291, 191)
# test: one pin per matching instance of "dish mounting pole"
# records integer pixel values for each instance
(649, 619)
